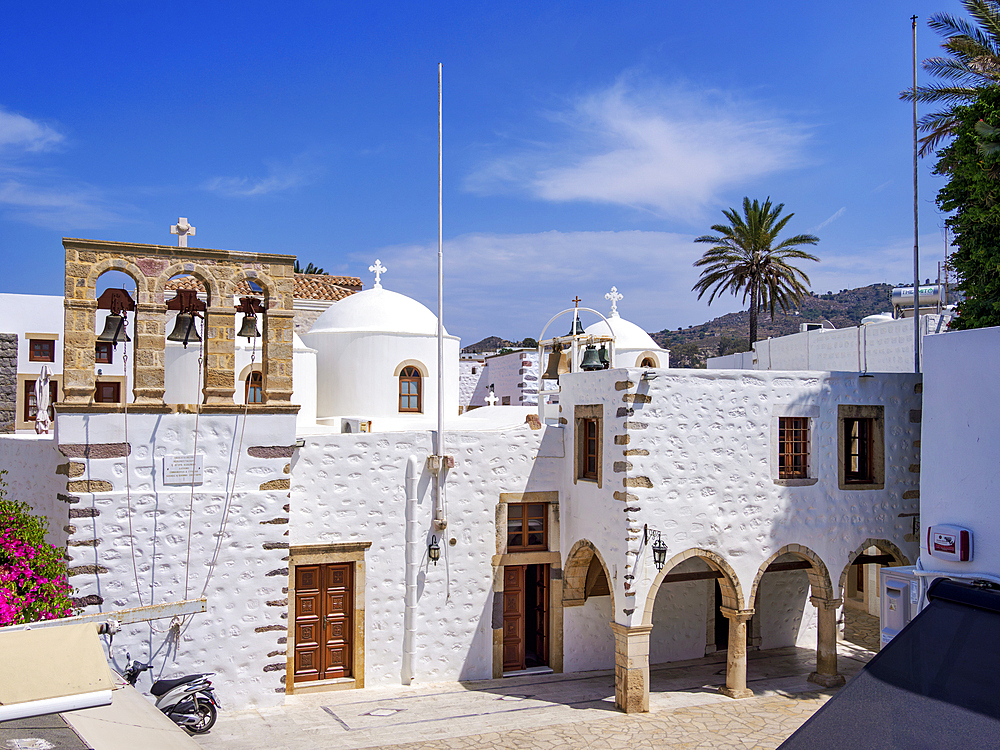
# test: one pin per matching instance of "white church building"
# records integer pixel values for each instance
(643, 515)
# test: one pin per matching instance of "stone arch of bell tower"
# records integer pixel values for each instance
(151, 266)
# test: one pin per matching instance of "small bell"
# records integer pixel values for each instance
(602, 355)
(249, 328)
(184, 330)
(114, 330)
(577, 328)
(557, 364)
(591, 359)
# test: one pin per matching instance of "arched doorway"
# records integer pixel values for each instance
(859, 586)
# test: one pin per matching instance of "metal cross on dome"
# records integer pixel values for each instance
(182, 229)
(615, 297)
(378, 269)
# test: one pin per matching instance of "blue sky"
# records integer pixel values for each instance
(586, 143)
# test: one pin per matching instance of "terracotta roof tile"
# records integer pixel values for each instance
(307, 286)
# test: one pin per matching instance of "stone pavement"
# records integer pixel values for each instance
(548, 711)
(862, 629)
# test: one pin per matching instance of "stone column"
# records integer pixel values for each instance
(826, 643)
(277, 363)
(78, 350)
(220, 355)
(148, 349)
(631, 667)
(736, 658)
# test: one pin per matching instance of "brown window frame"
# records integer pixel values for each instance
(590, 454)
(256, 383)
(793, 447)
(524, 513)
(859, 450)
(107, 383)
(29, 399)
(46, 353)
(103, 353)
(410, 375)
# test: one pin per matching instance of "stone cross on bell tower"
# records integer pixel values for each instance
(615, 298)
(182, 229)
(378, 269)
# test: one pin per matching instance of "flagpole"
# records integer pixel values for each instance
(916, 235)
(440, 521)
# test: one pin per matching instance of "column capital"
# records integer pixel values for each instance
(820, 602)
(736, 615)
(620, 629)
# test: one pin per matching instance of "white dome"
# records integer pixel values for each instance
(627, 334)
(377, 309)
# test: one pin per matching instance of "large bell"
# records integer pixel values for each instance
(591, 359)
(577, 328)
(602, 355)
(558, 364)
(114, 330)
(249, 329)
(184, 329)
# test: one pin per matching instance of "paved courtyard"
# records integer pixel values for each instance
(549, 711)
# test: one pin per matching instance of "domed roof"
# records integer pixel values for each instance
(377, 309)
(627, 334)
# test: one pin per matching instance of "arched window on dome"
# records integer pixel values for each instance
(255, 388)
(410, 388)
(647, 362)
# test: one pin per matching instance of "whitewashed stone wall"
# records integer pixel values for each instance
(680, 617)
(514, 375)
(701, 463)
(130, 535)
(786, 618)
(351, 488)
(874, 347)
(959, 481)
(36, 475)
(470, 373)
(588, 642)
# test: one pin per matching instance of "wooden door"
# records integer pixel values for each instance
(323, 622)
(541, 618)
(513, 617)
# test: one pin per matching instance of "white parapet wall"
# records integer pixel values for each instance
(36, 475)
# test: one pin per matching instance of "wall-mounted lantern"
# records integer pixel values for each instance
(659, 546)
(434, 550)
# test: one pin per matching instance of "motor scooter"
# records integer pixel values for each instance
(189, 701)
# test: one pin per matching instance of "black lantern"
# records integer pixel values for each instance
(434, 550)
(659, 552)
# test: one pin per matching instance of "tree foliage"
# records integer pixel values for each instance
(973, 196)
(748, 258)
(971, 63)
(33, 583)
(310, 268)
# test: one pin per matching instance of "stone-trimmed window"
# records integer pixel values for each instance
(255, 388)
(527, 526)
(793, 443)
(103, 353)
(588, 453)
(410, 390)
(861, 453)
(108, 392)
(31, 405)
(41, 350)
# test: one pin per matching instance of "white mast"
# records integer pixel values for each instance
(439, 520)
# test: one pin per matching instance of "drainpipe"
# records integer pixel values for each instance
(412, 556)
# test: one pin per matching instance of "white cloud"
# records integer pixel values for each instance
(671, 151)
(20, 133)
(837, 214)
(62, 207)
(279, 177)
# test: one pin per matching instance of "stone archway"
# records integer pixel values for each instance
(577, 573)
(858, 589)
(822, 597)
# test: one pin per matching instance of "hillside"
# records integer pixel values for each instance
(690, 347)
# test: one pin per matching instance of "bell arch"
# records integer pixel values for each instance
(575, 573)
(819, 575)
(205, 277)
(131, 270)
(729, 583)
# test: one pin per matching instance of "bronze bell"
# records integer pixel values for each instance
(114, 330)
(184, 329)
(591, 359)
(249, 329)
(558, 363)
(577, 328)
(602, 355)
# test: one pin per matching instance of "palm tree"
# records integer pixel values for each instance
(747, 259)
(973, 62)
(311, 269)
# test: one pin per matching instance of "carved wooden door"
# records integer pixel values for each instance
(323, 622)
(513, 617)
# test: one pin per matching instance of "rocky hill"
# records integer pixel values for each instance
(690, 347)
(488, 344)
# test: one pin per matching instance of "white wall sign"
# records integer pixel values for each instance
(183, 470)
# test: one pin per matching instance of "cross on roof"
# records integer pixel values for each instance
(378, 269)
(614, 296)
(576, 301)
(182, 229)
